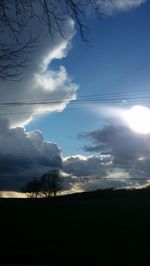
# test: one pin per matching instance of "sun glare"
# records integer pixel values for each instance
(138, 119)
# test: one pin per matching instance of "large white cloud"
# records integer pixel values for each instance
(42, 89)
(110, 6)
(40, 82)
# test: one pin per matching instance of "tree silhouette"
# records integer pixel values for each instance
(47, 186)
(51, 184)
(32, 189)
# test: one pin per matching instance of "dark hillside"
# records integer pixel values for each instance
(96, 228)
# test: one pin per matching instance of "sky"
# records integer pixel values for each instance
(86, 128)
(116, 59)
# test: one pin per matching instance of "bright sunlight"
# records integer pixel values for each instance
(138, 119)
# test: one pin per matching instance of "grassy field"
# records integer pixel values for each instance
(96, 228)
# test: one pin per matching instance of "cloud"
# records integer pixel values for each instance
(113, 183)
(98, 172)
(109, 7)
(86, 172)
(42, 89)
(24, 155)
(120, 141)
(82, 166)
(129, 151)
(123, 160)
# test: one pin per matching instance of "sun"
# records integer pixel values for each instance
(138, 119)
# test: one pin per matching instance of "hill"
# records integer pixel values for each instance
(95, 228)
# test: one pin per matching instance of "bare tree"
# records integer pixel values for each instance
(32, 189)
(46, 187)
(51, 184)
(18, 39)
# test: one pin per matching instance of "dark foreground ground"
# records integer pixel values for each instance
(97, 228)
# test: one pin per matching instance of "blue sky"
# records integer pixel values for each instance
(106, 140)
(115, 60)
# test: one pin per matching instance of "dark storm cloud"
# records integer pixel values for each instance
(123, 143)
(13, 164)
(81, 166)
(26, 154)
(95, 148)
(129, 150)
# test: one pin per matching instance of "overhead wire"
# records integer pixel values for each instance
(94, 97)
(76, 101)
(81, 102)
(90, 96)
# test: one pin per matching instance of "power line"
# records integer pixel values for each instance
(78, 104)
(48, 111)
(98, 100)
(99, 97)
